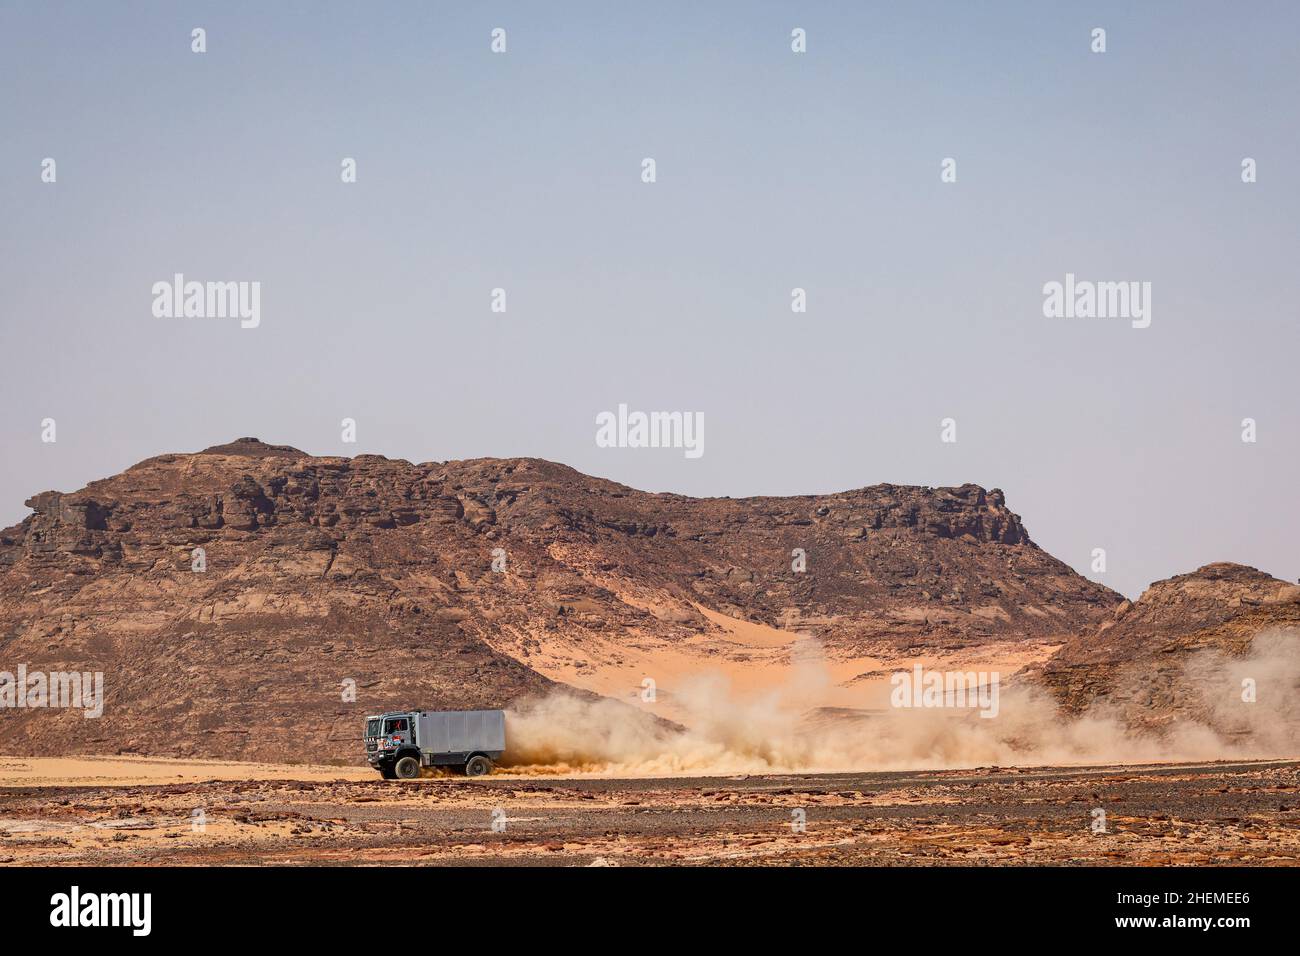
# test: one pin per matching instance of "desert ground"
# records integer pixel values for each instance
(140, 811)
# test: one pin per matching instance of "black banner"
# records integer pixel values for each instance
(143, 905)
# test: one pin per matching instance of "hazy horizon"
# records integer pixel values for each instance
(776, 170)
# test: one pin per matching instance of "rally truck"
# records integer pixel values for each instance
(400, 743)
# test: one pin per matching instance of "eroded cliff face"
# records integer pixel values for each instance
(1182, 651)
(320, 574)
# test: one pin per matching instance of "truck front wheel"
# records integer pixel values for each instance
(408, 768)
(477, 766)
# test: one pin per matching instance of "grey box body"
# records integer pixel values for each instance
(451, 734)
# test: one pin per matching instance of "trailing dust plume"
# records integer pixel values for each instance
(791, 730)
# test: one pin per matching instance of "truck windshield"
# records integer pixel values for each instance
(372, 727)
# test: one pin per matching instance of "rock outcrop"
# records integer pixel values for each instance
(236, 597)
(1182, 650)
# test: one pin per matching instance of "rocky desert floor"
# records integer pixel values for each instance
(138, 811)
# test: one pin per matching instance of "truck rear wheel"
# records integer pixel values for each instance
(408, 768)
(477, 766)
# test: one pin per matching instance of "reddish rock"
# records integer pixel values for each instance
(1136, 665)
(379, 571)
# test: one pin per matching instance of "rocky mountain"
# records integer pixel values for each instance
(235, 597)
(1182, 650)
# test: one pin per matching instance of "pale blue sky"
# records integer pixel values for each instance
(775, 170)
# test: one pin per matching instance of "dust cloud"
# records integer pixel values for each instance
(1196, 712)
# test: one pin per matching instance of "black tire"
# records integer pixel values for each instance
(477, 766)
(386, 771)
(406, 768)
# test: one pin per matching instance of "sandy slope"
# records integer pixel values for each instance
(752, 659)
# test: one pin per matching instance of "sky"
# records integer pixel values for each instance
(774, 170)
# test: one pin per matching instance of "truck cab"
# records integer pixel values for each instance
(400, 743)
(387, 735)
